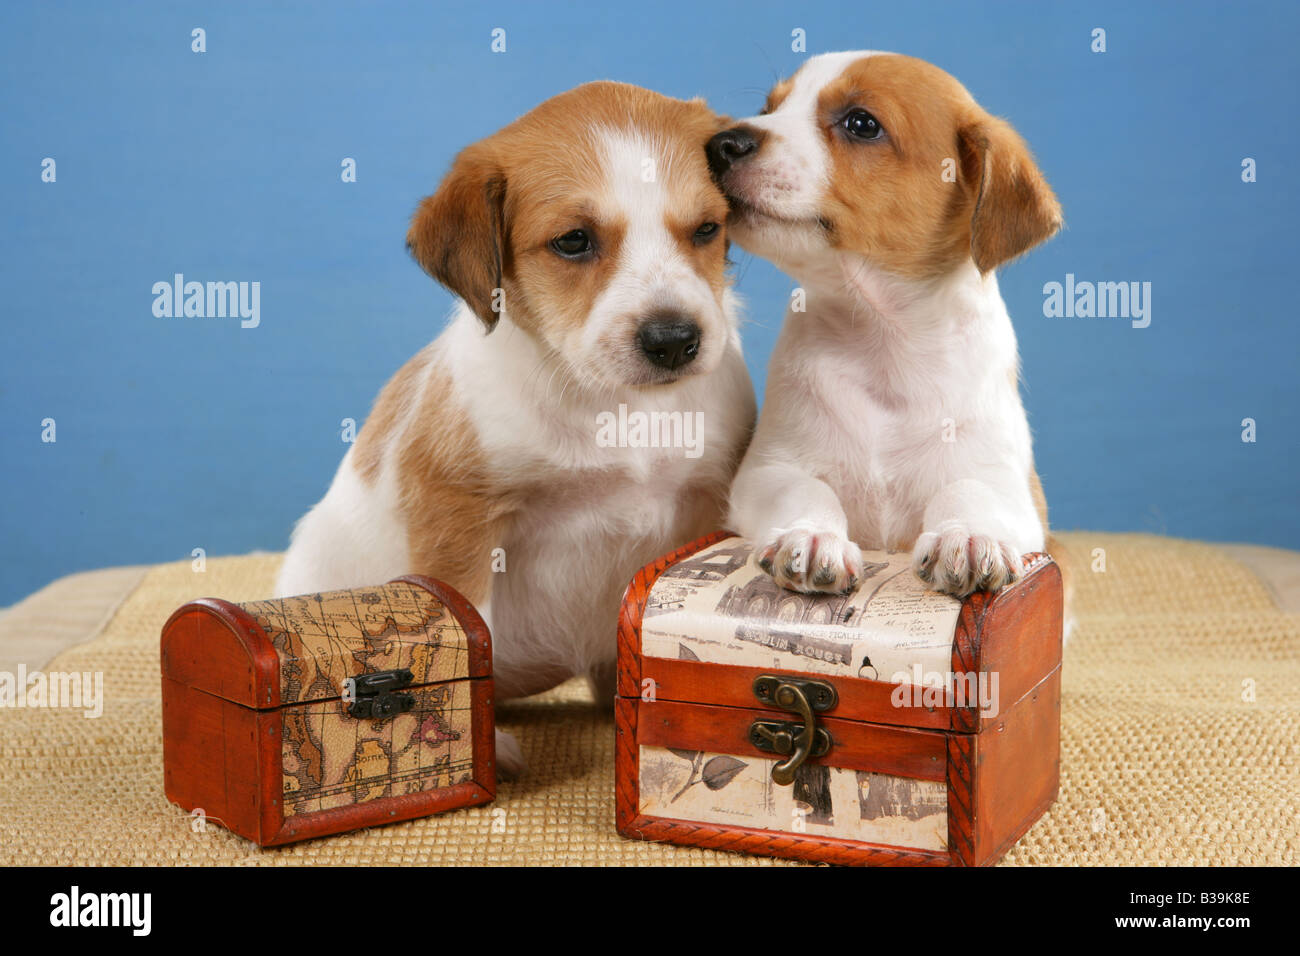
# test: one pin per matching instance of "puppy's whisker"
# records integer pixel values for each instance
(555, 368)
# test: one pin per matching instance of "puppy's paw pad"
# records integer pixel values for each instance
(812, 561)
(510, 757)
(959, 562)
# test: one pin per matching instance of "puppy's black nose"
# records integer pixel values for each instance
(729, 146)
(669, 342)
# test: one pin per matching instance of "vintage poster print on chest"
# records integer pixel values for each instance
(890, 725)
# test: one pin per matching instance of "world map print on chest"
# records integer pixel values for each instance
(332, 759)
(718, 606)
(323, 639)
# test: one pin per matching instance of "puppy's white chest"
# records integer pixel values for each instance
(568, 556)
(879, 486)
(883, 453)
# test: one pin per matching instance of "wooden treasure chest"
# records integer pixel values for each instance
(305, 716)
(892, 725)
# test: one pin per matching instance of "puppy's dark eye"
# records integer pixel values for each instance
(573, 244)
(862, 125)
(705, 233)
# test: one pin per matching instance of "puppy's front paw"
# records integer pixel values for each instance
(812, 561)
(958, 562)
(510, 757)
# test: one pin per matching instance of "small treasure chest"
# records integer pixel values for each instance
(304, 716)
(891, 725)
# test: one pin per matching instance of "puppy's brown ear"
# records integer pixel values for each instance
(458, 234)
(1015, 209)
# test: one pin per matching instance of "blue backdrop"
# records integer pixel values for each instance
(174, 434)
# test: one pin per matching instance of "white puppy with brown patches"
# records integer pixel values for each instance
(893, 417)
(587, 242)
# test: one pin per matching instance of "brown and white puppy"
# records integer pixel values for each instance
(893, 417)
(587, 244)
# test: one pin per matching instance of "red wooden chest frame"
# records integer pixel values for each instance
(1000, 772)
(257, 731)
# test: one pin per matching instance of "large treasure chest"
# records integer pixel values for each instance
(890, 725)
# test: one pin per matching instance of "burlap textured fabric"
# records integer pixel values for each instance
(1180, 740)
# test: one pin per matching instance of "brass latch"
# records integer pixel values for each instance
(800, 740)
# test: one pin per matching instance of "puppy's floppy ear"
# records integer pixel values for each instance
(458, 234)
(1015, 209)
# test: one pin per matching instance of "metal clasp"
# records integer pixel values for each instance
(373, 695)
(800, 740)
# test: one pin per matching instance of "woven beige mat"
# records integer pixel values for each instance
(68, 611)
(1180, 713)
